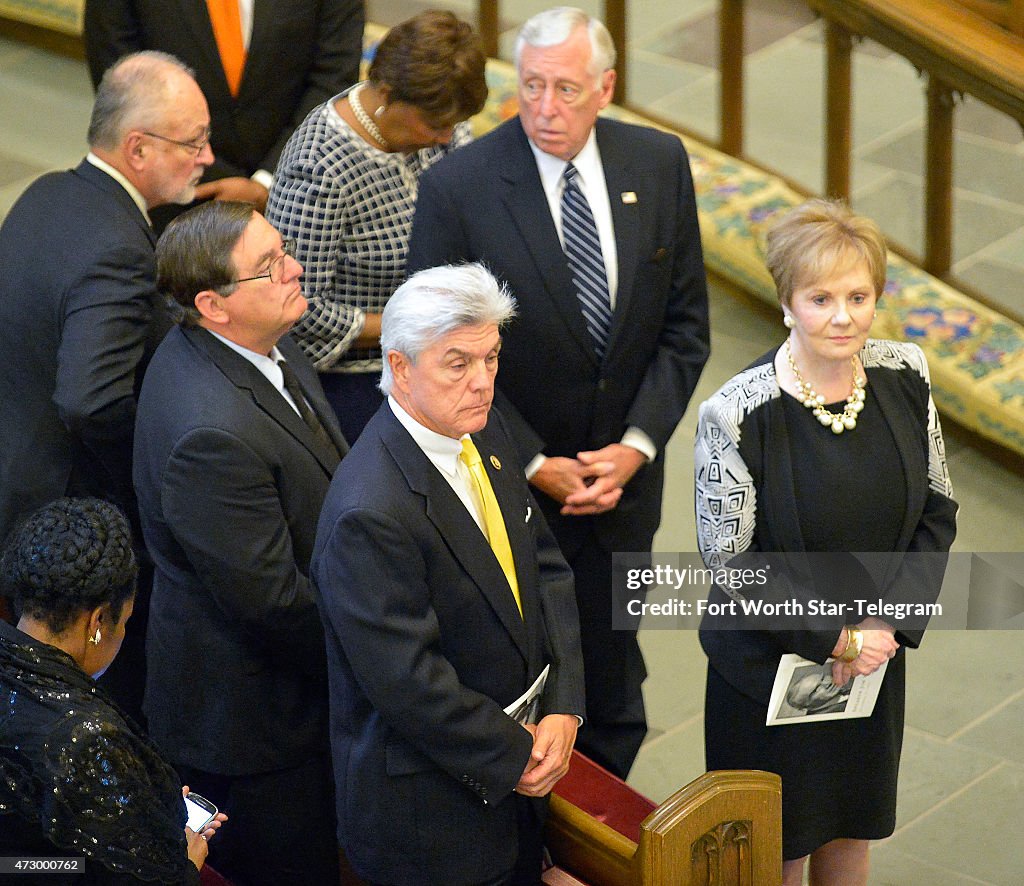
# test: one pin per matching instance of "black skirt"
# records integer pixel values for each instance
(838, 777)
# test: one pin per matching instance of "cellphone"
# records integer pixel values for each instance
(200, 812)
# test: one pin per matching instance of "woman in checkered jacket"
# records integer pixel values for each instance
(345, 192)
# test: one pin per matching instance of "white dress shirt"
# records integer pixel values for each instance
(594, 187)
(266, 365)
(443, 453)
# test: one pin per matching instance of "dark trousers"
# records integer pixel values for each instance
(614, 668)
(531, 815)
(281, 825)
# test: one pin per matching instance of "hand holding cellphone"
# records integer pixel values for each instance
(200, 812)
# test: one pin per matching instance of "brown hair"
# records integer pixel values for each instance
(194, 254)
(434, 62)
(818, 238)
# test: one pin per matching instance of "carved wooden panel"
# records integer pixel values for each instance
(722, 856)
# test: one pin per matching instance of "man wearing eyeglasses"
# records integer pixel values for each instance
(262, 64)
(235, 446)
(79, 311)
(592, 223)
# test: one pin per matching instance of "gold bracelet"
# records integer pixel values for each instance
(854, 644)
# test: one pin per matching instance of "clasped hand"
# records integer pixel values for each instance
(879, 646)
(553, 738)
(591, 483)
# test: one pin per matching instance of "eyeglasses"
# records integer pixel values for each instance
(275, 270)
(195, 147)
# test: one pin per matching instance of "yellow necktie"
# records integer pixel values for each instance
(494, 524)
(227, 29)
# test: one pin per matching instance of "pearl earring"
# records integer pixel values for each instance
(379, 112)
(788, 321)
(95, 638)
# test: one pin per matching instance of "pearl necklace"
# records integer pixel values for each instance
(846, 421)
(367, 122)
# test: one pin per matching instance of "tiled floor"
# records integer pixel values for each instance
(960, 817)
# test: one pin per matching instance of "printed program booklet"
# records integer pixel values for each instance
(525, 708)
(804, 693)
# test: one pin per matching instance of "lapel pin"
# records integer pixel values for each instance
(495, 463)
(629, 196)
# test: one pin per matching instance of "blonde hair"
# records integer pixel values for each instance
(819, 238)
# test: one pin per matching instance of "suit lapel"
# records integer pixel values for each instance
(905, 431)
(528, 206)
(247, 377)
(456, 527)
(111, 186)
(262, 33)
(620, 178)
(311, 386)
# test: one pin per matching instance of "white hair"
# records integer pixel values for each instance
(133, 94)
(555, 26)
(436, 301)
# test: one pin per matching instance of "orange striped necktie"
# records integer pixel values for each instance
(227, 28)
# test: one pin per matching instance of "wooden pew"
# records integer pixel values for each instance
(722, 829)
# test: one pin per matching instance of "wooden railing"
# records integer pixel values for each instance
(958, 52)
(1007, 14)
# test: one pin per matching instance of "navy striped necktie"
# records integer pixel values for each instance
(586, 262)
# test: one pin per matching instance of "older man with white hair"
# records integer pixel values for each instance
(592, 224)
(444, 599)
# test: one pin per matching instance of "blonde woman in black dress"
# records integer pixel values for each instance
(828, 443)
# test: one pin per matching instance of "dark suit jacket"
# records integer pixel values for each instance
(79, 318)
(486, 203)
(230, 482)
(302, 52)
(425, 646)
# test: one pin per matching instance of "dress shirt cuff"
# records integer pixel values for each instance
(262, 177)
(638, 440)
(536, 463)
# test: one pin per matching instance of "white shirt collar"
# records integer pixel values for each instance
(117, 176)
(443, 451)
(266, 365)
(587, 163)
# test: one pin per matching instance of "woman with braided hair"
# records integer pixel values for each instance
(77, 778)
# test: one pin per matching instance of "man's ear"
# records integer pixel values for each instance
(134, 149)
(400, 365)
(607, 87)
(210, 305)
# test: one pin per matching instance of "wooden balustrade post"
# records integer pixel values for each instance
(838, 114)
(938, 204)
(615, 21)
(487, 25)
(730, 66)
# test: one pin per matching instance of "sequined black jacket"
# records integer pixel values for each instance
(77, 777)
